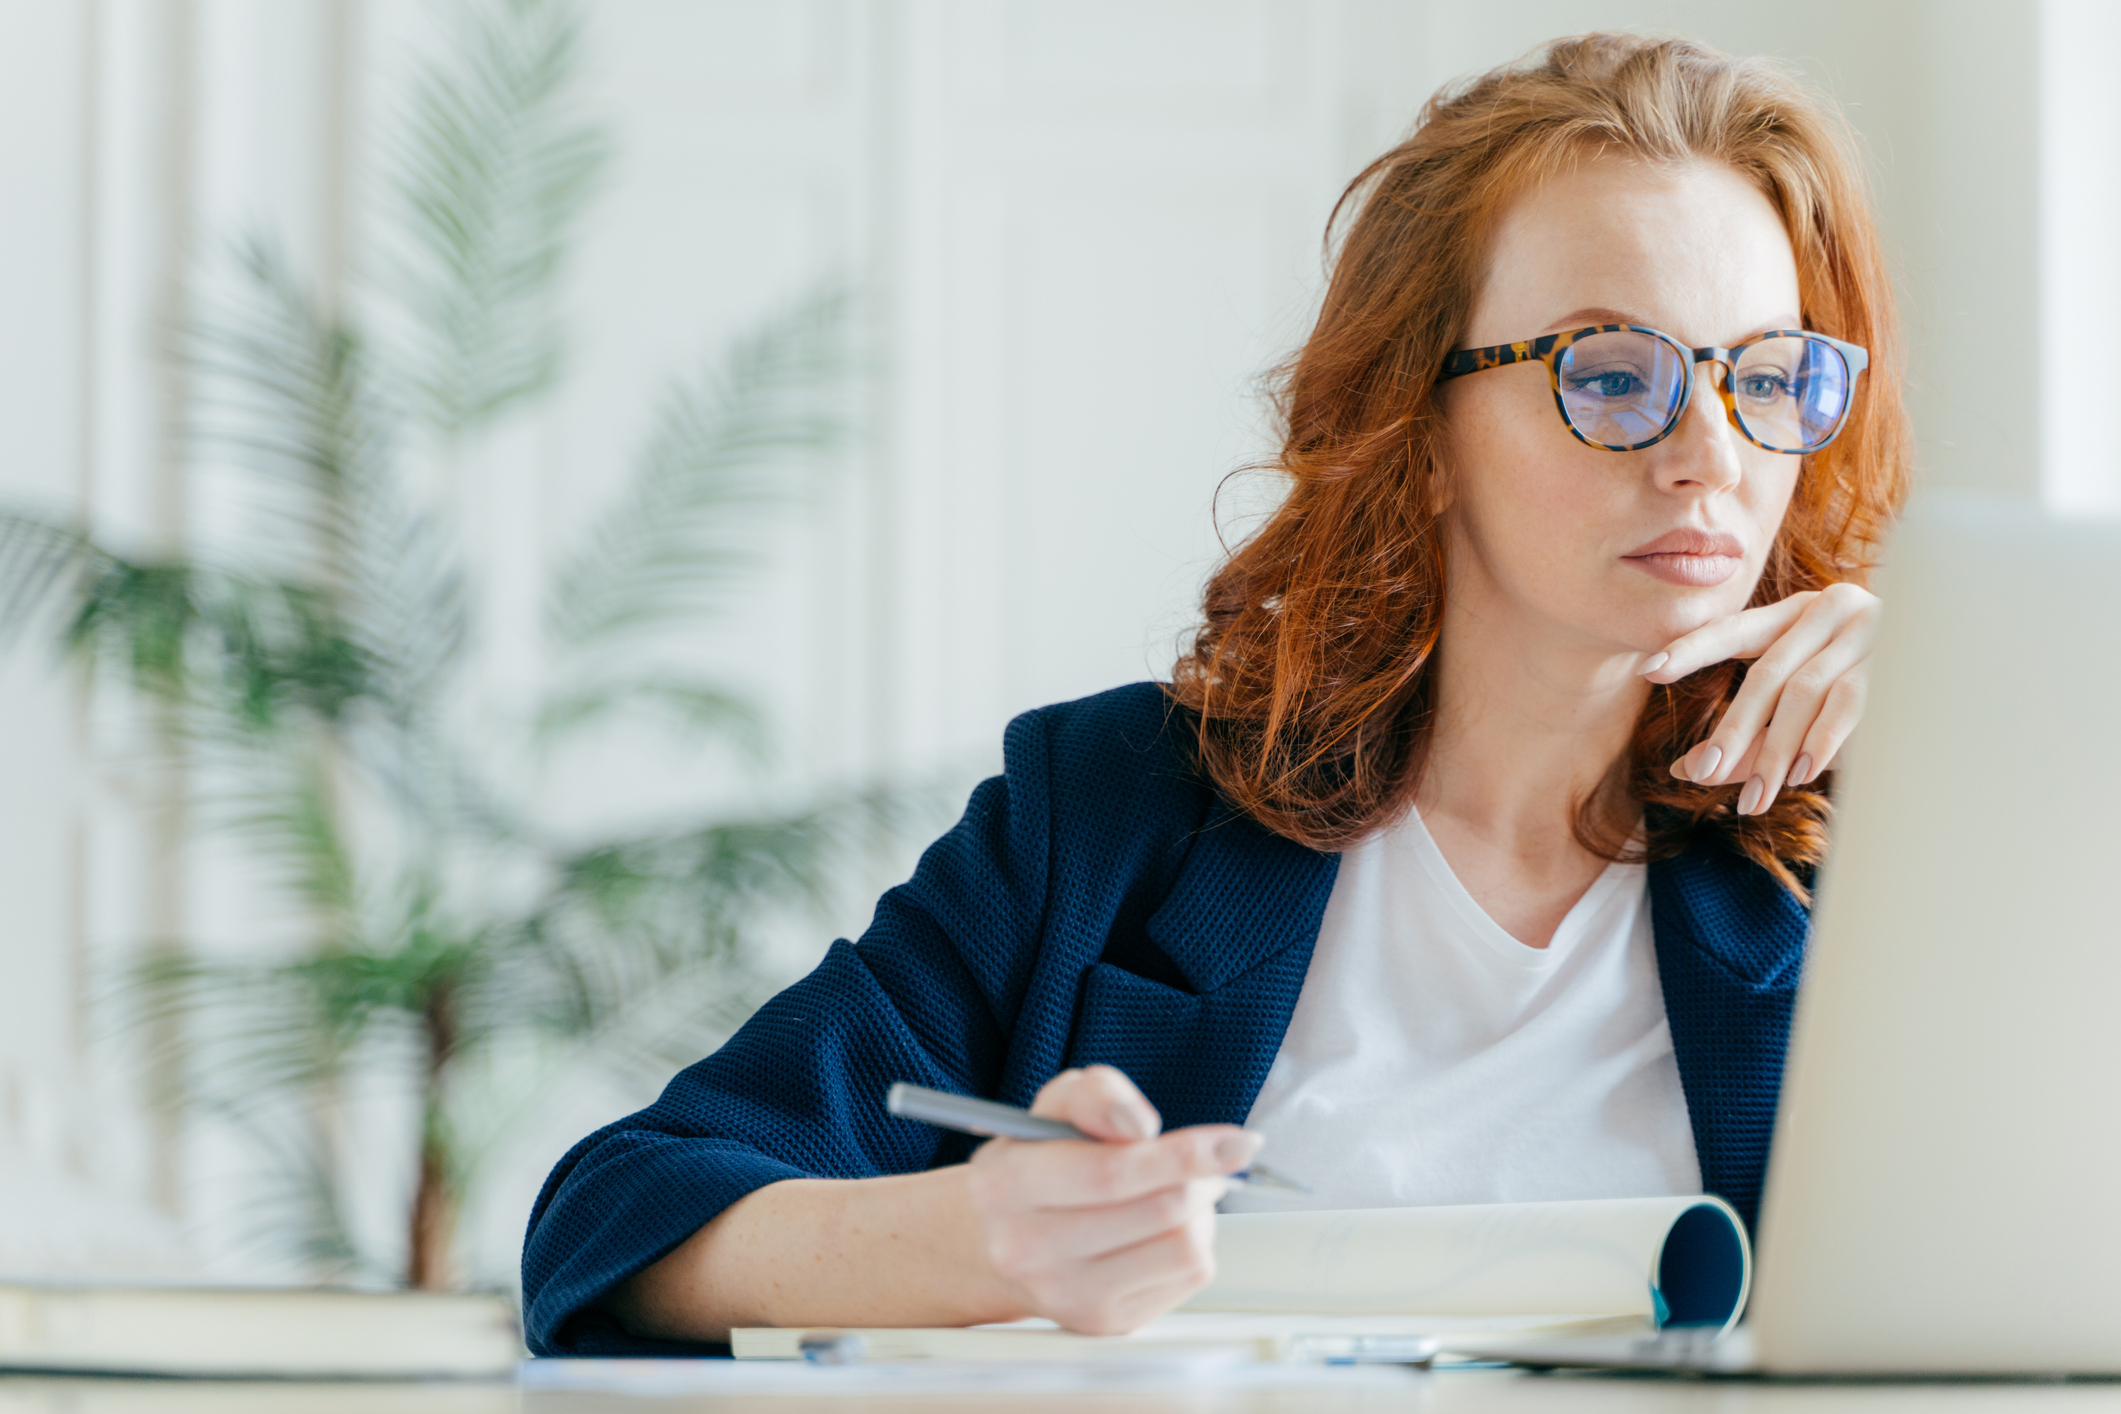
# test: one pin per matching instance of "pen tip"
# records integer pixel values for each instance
(1261, 1176)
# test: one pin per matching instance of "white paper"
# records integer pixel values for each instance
(1191, 1336)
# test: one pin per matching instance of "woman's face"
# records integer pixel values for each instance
(1618, 551)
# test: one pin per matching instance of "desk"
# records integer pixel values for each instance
(1449, 1392)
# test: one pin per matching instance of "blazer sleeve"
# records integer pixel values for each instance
(798, 1092)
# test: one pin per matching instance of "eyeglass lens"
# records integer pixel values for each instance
(1791, 392)
(1622, 389)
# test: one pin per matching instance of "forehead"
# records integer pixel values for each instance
(1694, 249)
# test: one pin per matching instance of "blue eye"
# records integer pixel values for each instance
(1615, 383)
(1760, 387)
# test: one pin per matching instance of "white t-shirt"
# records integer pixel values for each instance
(1433, 1058)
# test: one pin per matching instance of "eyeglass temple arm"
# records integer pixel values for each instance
(1463, 361)
(1858, 357)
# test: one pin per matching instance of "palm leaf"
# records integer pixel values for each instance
(635, 923)
(239, 1034)
(493, 169)
(700, 708)
(45, 568)
(140, 616)
(262, 1030)
(283, 805)
(289, 391)
(295, 397)
(293, 1203)
(687, 524)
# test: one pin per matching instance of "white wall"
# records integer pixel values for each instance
(1082, 231)
(2080, 256)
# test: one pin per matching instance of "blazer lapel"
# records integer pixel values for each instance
(1238, 925)
(1242, 895)
(1730, 948)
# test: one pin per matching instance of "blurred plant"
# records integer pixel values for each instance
(315, 671)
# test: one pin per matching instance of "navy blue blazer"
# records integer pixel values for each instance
(1097, 902)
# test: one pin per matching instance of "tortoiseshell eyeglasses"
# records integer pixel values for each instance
(1622, 387)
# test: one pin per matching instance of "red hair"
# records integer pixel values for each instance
(1310, 674)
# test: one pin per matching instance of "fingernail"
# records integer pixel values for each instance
(1800, 770)
(1129, 1122)
(1653, 665)
(1711, 758)
(1234, 1151)
(1749, 798)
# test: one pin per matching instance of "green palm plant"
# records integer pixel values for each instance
(314, 668)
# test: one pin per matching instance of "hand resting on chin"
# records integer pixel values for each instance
(1803, 694)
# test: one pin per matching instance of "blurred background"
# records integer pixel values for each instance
(522, 517)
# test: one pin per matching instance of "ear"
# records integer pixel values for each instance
(1440, 493)
(1437, 482)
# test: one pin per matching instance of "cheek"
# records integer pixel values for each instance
(1770, 481)
(1528, 493)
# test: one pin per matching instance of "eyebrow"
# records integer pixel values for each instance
(1599, 314)
(1596, 314)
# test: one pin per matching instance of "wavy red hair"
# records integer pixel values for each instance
(1310, 673)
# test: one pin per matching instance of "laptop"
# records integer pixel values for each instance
(1944, 1194)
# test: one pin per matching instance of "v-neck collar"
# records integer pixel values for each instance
(1412, 836)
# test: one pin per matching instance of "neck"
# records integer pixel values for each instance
(1529, 723)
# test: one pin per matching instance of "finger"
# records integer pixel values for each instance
(1745, 764)
(1184, 1255)
(1072, 1174)
(1740, 635)
(1053, 1239)
(1115, 1293)
(1117, 1313)
(1802, 698)
(1137, 1308)
(1837, 720)
(1798, 699)
(1100, 1101)
(1715, 760)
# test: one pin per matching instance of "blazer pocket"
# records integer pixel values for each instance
(1147, 1029)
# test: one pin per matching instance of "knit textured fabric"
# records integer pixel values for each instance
(1096, 903)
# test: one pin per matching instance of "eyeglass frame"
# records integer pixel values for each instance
(1548, 348)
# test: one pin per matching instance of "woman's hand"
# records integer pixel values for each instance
(1105, 1237)
(1801, 698)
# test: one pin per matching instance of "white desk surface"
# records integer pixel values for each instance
(1449, 1392)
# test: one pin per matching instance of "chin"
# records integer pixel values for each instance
(1652, 628)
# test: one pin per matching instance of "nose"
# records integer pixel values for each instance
(1701, 455)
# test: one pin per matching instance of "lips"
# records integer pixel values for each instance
(1697, 558)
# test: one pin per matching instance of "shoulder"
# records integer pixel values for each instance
(1135, 724)
(1124, 755)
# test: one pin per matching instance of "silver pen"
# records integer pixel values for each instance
(990, 1119)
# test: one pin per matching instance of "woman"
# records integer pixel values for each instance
(1461, 861)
